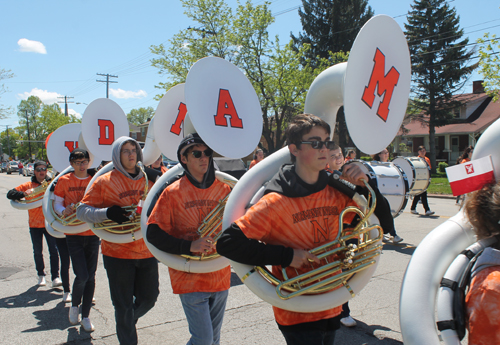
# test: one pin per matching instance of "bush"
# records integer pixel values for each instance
(442, 166)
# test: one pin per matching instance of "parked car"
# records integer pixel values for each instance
(28, 169)
(170, 164)
(233, 167)
(3, 167)
(12, 166)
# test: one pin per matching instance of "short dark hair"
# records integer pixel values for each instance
(421, 148)
(300, 126)
(78, 154)
(482, 208)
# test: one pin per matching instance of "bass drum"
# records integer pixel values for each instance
(391, 182)
(417, 171)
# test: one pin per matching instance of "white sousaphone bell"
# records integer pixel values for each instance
(432, 260)
(102, 123)
(373, 86)
(219, 103)
(59, 146)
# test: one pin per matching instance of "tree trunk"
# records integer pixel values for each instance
(432, 146)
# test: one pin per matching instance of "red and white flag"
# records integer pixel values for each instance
(468, 177)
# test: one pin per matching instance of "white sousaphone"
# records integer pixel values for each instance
(383, 112)
(431, 261)
(102, 123)
(225, 111)
(59, 147)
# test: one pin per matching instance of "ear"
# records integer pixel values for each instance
(183, 159)
(293, 149)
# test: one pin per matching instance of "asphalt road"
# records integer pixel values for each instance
(36, 315)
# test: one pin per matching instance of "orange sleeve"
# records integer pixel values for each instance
(483, 307)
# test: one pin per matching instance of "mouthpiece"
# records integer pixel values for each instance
(140, 165)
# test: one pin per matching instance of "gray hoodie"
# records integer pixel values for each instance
(91, 214)
(489, 257)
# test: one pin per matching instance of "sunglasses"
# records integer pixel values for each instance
(85, 162)
(197, 154)
(40, 169)
(316, 144)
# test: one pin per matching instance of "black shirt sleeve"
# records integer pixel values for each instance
(166, 242)
(382, 209)
(14, 194)
(234, 245)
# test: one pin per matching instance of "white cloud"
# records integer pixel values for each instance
(26, 45)
(73, 112)
(119, 93)
(47, 97)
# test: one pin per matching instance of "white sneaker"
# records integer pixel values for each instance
(87, 325)
(414, 211)
(74, 315)
(67, 297)
(348, 321)
(396, 239)
(41, 281)
(56, 282)
(429, 213)
(386, 238)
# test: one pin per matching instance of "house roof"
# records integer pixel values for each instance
(486, 113)
(133, 128)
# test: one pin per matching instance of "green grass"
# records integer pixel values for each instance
(439, 184)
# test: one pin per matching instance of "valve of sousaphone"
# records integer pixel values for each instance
(373, 86)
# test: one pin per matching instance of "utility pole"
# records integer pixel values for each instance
(107, 81)
(65, 104)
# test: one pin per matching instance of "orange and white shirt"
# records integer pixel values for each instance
(483, 307)
(114, 188)
(299, 223)
(179, 212)
(35, 215)
(72, 189)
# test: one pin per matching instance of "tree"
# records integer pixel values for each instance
(490, 64)
(36, 122)
(141, 115)
(274, 70)
(330, 28)
(439, 57)
(4, 74)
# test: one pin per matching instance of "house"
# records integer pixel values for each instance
(476, 114)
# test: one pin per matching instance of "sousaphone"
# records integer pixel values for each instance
(373, 86)
(224, 110)
(433, 259)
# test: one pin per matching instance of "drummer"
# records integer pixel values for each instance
(83, 247)
(423, 196)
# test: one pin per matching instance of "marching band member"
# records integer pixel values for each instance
(159, 166)
(37, 226)
(172, 227)
(279, 230)
(483, 299)
(83, 247)
(132, 270)
(351, 154)
(257, 157)
(423, 196)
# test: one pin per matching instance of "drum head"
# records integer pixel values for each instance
(405, 165)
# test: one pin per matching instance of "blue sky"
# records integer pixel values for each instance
(55, 48)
